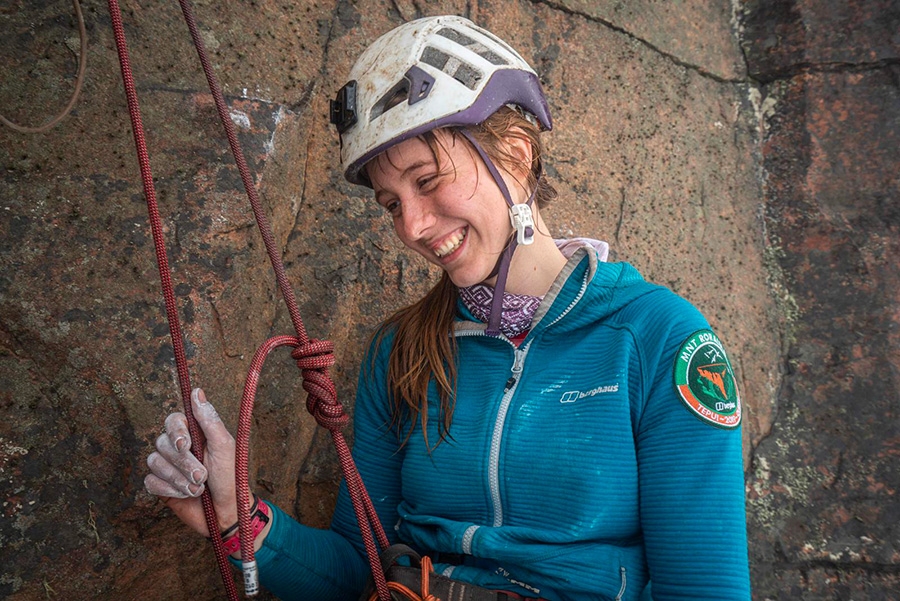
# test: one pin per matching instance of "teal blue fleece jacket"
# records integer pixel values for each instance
(601, 453)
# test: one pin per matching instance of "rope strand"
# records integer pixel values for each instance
(162, 262)
(322, 398)
(313, 357)
(265, 229)
(79, 80)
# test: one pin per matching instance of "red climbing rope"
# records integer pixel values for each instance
(162, 262)
(313, 357)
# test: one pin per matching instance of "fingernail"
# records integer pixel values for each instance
(199, 396)
(197, 476)
(194, 489)
(180, 443)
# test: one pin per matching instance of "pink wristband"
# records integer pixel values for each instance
(258, 521)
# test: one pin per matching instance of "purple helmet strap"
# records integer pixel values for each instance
(501, 183)
(502, 268)
(494, 319)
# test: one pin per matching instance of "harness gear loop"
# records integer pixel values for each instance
(423, 595)
(426, 571)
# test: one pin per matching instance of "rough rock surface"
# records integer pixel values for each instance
(822, 488)
(700, 139)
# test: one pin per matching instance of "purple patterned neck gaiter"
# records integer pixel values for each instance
(518, 309)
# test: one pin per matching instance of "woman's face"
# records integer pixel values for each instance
(450, 212)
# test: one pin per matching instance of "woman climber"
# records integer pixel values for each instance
(543, 424)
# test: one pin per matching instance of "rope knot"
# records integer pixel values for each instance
(314, 358)
(314, 355)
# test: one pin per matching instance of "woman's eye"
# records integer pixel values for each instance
(427, 183)
(392, 207)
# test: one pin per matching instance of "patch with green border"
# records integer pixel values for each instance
(705, 380)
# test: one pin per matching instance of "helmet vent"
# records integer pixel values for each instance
(473, 46)
(395, 96)
(465, 74)
(434, 57)
(500, 43)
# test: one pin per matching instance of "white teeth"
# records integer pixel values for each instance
(449, 245)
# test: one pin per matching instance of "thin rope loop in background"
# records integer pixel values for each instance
(79, 80)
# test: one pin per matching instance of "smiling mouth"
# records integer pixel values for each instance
(450, 244)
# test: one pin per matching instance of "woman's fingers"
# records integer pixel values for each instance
(176, 428)
(174, 471)
(170, 481)
(165, 487)
(219, 458)
(218, 438)
(183, 461)
(179, 477)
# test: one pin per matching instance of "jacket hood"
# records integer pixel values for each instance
(568, 246)
(587, 281)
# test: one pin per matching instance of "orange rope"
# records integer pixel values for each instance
(407, 592)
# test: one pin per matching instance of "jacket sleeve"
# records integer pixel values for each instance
(690, 469)
(300, 563)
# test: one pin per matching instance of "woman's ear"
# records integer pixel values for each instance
(520, 148)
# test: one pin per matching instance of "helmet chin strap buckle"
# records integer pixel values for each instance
(522, 219)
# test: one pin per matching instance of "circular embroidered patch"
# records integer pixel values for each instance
(705, 380)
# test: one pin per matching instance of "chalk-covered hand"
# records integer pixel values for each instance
(179, 478)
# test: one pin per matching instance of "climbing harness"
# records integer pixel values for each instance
(313, 357)
(79, 80)
(419, 582)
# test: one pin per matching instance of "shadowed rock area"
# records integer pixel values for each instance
(822, 488)
(745, 156)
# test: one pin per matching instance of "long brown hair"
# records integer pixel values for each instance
(424, 347)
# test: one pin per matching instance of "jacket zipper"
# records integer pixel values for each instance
(496, 437)
(516, 370)
(624, 582)
(584, 285)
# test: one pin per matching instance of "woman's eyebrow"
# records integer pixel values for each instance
(409, 168)
(380, 195)
(416, 165)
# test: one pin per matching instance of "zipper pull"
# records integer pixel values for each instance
(516, 370)
(517, 362)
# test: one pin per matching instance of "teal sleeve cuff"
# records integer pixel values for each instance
(297, 562)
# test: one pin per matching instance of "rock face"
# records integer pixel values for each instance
(744, 156)
(822, 487)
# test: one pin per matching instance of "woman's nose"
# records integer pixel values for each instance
(416, 218)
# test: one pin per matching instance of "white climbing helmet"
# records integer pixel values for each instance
(429, 73)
